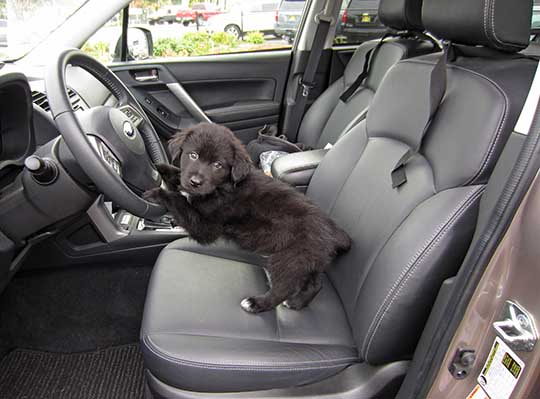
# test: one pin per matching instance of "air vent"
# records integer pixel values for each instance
(75, 100)
(40, 99)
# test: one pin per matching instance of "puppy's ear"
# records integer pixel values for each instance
(176, 143)
(242, 162)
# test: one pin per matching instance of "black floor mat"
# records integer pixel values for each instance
(113, 373)
(77, 309)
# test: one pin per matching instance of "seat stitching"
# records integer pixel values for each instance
(494, 141)
(472, 198)
(504, 43)
(486, 6)
(409, 271)
(410, 264)
(293, 366)
(369, 265)
(491, 149)
(186, 334)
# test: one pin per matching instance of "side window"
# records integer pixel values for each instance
(200, 28)
(358, 22)
(535, 23)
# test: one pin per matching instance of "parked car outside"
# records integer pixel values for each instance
(164, 15)
(247, 16)
(203, 11)
(288, 17)
(199, 12)
(185, 16)
(359, 21)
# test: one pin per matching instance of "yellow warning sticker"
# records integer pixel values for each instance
(501, 372)
(477, 393)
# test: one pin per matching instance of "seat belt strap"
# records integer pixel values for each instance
(437, 90)
(359, 81)
(307, 82)
(398, 175)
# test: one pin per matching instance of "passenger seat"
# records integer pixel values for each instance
(329, 117)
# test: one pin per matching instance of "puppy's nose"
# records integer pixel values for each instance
(195, 181)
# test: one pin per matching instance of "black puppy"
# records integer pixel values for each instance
(216, 192)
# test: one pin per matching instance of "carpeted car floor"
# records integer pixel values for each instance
(77, 309)
(79, 328)
(112, 373)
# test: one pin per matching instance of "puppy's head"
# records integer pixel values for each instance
(209, 156)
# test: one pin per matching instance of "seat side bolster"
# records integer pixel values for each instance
(396, 297)
(217, 363)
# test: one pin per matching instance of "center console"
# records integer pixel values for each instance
(103, 236)
(297, 169)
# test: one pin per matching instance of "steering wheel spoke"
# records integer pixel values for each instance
(133, 115)
(106, 154)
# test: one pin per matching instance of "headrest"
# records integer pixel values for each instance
(499, 24)
(401, 14)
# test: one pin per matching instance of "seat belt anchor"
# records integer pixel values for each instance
(306, 88)
(324, 18)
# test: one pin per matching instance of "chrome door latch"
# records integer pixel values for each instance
(516, 328)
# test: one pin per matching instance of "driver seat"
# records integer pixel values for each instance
(364, 324)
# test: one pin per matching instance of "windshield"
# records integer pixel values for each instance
(25, 23)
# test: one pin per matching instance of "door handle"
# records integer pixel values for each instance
(146, 78)
(146, 75)
(517, 328)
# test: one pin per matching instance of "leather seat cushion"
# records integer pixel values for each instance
(195, 336)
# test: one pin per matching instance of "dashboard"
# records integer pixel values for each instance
(50, 210)
(27, 127)
(84, 91)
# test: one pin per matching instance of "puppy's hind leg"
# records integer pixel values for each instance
(311, 288)
(285, 281)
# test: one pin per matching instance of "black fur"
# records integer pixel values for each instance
(214, 191)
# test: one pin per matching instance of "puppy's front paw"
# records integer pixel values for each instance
(166, 169)
(153, 195)
(162, 168)
(251, 305)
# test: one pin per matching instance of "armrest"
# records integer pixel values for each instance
(297, 168)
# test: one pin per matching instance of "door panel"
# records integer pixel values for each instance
(242, 91)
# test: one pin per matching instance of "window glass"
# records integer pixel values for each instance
(24, 24)
(194, 28)
(358, 22)
(535, 23)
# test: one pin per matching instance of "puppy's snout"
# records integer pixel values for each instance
(195, 181)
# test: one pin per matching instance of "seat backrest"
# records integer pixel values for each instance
(328, 118)
(407, 240)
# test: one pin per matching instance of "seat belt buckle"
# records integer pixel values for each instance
(306, 88)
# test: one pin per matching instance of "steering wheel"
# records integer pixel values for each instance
(116, 147)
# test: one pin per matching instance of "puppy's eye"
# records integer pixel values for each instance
(217, 165)
(193, 156)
